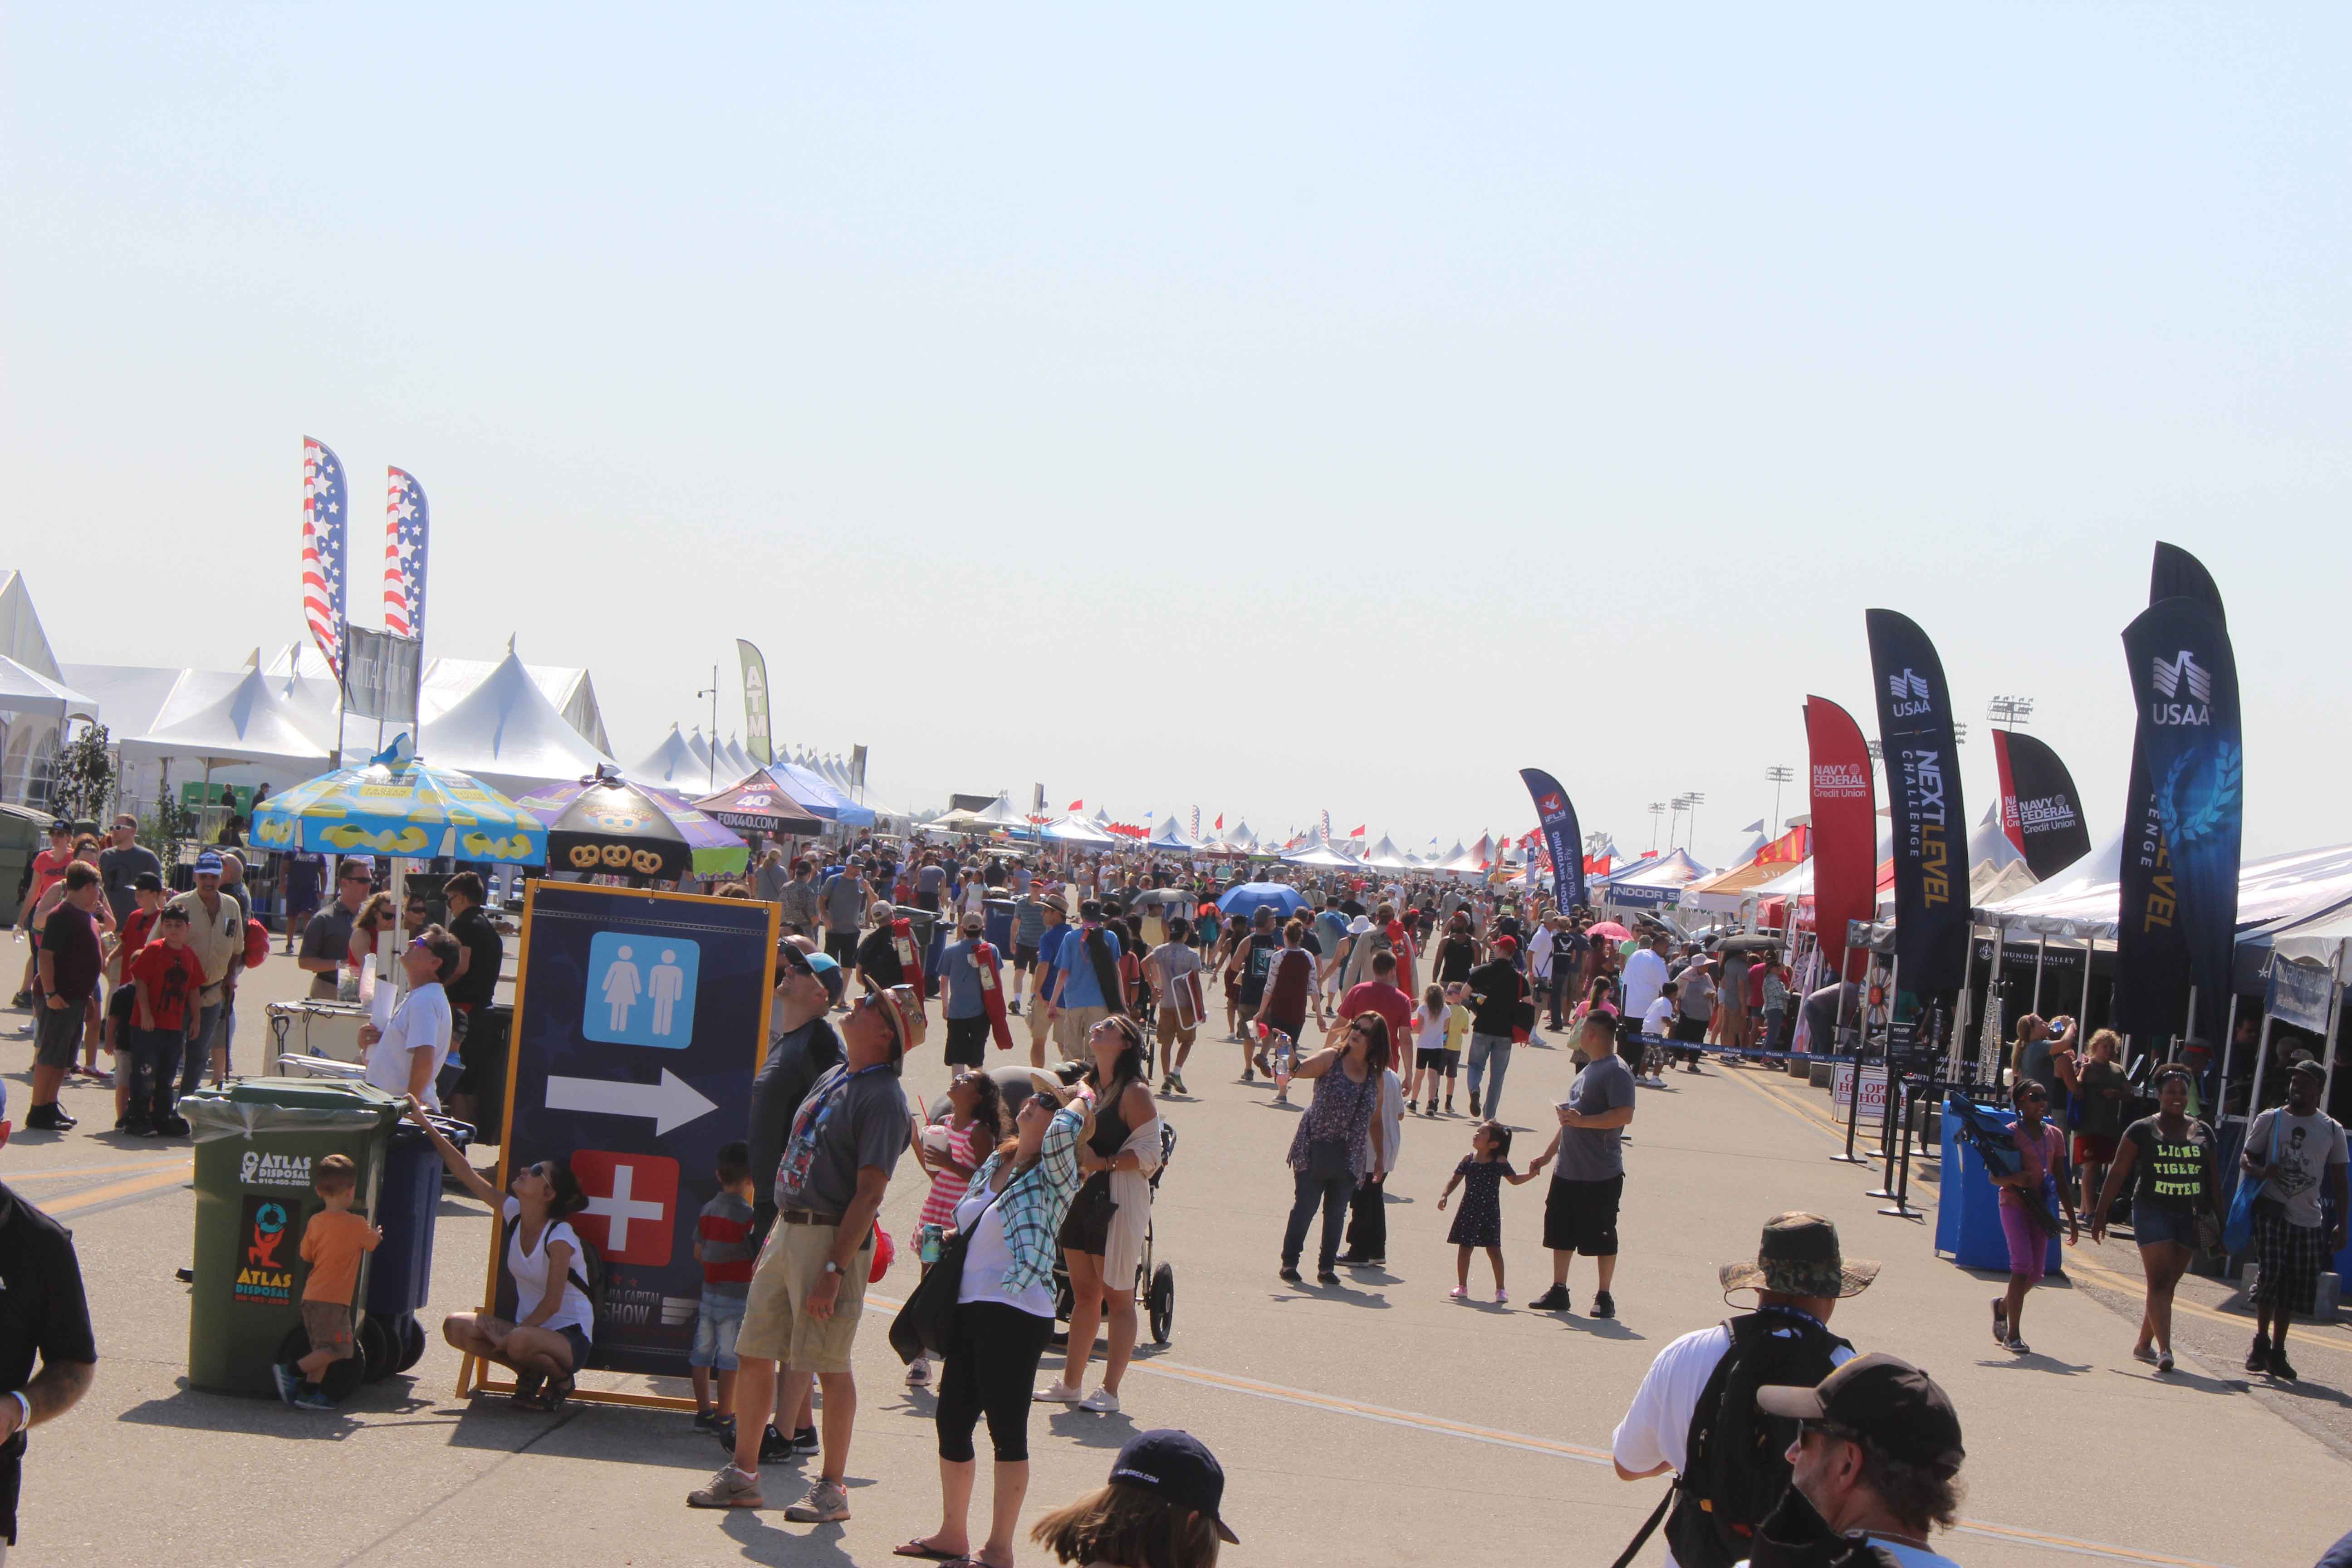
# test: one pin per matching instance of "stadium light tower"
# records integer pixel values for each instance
(1657, 810)
(2009, 712)
(1779, 773)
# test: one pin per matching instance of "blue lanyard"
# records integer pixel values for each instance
(1797, 1312)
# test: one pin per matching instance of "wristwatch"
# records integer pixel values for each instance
(831, 1266)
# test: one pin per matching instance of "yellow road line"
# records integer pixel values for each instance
(132, 1188)
(1309, 1399)
(18, 1178)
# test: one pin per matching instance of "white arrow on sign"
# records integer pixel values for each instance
(672, 1103)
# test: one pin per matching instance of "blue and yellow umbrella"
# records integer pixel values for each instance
(396, 805)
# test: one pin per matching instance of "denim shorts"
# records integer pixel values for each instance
(714, 1329)
(2151, 1224)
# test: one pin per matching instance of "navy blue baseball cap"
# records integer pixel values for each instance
(1178, 1467)
(208, 863)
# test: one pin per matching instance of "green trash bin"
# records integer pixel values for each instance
(256, 1147)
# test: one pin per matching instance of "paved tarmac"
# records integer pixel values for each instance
(1375, 1423)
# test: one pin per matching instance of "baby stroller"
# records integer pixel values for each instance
(1155, 1288)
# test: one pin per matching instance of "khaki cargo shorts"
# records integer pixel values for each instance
(776, 1324)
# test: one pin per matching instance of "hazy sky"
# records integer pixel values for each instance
(1262, 410)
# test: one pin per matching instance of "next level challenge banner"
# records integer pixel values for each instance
(640, 1019)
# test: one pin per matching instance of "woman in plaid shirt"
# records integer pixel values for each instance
(1011, 1211)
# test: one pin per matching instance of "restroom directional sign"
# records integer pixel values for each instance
(640, 1019)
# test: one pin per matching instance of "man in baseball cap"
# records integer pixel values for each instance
(1877, 1455)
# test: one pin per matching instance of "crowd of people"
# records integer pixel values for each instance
(1040, 1176)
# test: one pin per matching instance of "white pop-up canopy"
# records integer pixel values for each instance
(672, 766)
(505, 734)
(2086, 899)
(250, 723)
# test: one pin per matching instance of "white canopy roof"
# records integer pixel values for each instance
(1386, 856)
(251, 723)
(673, 766)
(24, 689)
(732, 756)
(21, 636)
(1076, 830)
(1168, 835)
(1473, 861)
(2086, 899)
(509, 735)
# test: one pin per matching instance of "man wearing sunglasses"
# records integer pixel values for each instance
(1875, 1457)
(327, 938)
(809, 1289)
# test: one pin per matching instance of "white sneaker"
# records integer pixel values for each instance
(1102, 1401)
(1056, 1394)
(919, 1373)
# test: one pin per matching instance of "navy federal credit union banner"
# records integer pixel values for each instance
(640, 1018)
(2185, 675)
(1923, 797)
(1562, 838)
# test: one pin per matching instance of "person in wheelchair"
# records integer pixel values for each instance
(1103, 1238)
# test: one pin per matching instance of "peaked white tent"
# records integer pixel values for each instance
(1171, 837)
(1473, 861)
(732, 756)
(698, 750)
(1319, 855)
(672, 766)
(1240, 839)
(1387, 857)
(509, 735)
(1076, 830)
(250, 723)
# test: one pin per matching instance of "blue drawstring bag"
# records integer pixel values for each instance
(2237, 1231)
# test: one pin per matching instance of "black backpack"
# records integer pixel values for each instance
(587, 1270)
(1734, 1471)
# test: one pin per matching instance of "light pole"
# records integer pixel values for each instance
(1779, 773)
(711, 691)
(1674, 822)
(1959, 734)
(1657, 810)
(1691, 803)
(2009, 712)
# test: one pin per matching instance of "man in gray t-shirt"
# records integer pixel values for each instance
(845, 897)
(1581, 1207)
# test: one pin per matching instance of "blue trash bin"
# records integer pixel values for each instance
(998, 929)
(408, 1205)
(1967, 1212)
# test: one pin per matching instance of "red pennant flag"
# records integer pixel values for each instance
(1077, 805)
(1221, 822)
(1356, 832)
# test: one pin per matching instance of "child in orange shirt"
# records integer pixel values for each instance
(331, 1245)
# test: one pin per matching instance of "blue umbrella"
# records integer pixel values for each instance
(1250, 897)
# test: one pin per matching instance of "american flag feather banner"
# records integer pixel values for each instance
(323, 532)
(406, 522)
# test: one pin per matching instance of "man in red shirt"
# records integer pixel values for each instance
(1379, 995)
(47, 867)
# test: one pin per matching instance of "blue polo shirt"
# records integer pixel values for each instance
(1049, 948)
(1083, 989)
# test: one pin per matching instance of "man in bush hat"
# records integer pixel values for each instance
(809, 1289)
(1696, 1412)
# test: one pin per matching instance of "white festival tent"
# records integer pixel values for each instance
(1319, 853)
(698, 751)
(1171, 837)
(507, 733)
(1387, 857)
(1240, 839)
(250, 724)
(1652, 883)
(37, 699)
(672, 766)
(733, 756)
(1473, 861)
(445, 682)
(1076, 830)
(2085, 900)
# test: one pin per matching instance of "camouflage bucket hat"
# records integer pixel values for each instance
(1798, 1257)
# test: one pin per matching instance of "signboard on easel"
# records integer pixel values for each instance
(640, 1018)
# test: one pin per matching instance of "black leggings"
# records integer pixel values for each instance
(991, 1365)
